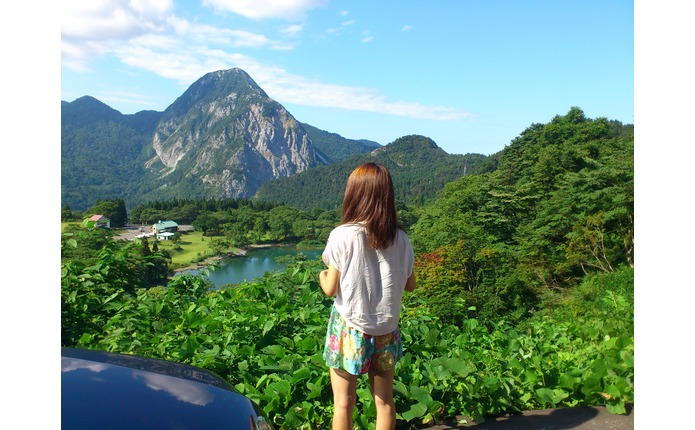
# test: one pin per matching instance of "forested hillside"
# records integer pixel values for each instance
(559, 206)
(418, 166)
(103, 152)
(336, 147)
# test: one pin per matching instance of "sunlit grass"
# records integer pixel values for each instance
(64, 225)
(192, 249)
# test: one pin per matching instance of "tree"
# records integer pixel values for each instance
(114, 210)
(219, 244)
(259, 228)
(66, 214)
(280, 220)
(205, 222)
(236, 234)
(442, 278)
(78, 243)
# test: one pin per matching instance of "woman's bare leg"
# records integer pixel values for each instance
(381, 384)
(344, 398)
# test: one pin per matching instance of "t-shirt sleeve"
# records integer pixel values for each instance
(332, 252)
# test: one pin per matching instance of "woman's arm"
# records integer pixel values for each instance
(330, 280)
(410, 284)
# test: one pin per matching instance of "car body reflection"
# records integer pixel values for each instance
(101, 390)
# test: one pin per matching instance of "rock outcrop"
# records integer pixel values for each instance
(224, 138)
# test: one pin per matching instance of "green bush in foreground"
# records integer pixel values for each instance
(266, 338)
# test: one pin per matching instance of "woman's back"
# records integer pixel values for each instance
(371, 280)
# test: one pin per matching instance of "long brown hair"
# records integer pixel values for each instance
(369, 199)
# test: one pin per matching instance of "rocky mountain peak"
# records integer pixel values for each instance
(224, 137)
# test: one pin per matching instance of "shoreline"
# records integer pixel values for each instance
(211, 260)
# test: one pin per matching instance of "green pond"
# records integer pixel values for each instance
(256, 263)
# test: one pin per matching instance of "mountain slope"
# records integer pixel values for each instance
(102, 152)
(419, 169)
(223, 138)
(336, 147)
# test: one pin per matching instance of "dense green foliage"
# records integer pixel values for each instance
(95, 269)
(560, 205)
(336, 147)
(419, 169)
(241, 222)
(185, 211)
(266, 338)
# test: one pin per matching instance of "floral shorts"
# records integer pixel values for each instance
(349, 349)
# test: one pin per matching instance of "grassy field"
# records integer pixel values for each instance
(192, 249)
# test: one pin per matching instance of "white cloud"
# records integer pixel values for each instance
(135, 99)
(183, 63)
(233, 38)
(366, 37)
(107, 19)
(180, 36)
(146, 35)
(93, 28)
(287, 88)
(291, 30)
(407, 28)
(261, 9)
(334, 31)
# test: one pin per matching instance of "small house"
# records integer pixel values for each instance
(167, 235)
(165, 227)
(100, 221)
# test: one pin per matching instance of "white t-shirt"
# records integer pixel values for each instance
(371, 281)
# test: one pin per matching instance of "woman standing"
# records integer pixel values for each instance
(370, 264)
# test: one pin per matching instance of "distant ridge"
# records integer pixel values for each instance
(336, 147)
(418, 166)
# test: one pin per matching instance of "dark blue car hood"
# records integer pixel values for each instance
(102, 390)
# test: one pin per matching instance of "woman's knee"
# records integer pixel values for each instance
(344, 401)
(381, 401)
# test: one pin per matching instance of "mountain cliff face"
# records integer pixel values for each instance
(224, 137)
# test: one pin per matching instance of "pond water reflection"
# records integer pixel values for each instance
(256, 263)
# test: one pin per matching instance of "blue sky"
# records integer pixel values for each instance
(471, 75)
